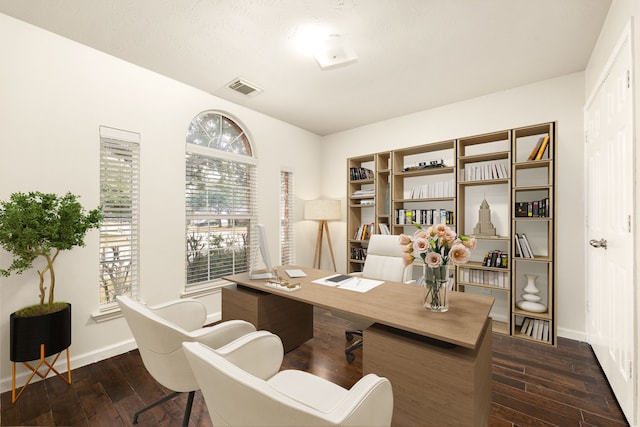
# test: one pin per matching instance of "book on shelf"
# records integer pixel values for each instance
(496, 258)
(524, 252)
(482, 172)
(358, 254)
(535, 150)
(543, 147)
(516, 245)
(424, 216)
(536, 208)
(364, 232)
(535, 328)
(527, 245)
(498, 279)
(384, 228)
(357, 174)
(433, 190)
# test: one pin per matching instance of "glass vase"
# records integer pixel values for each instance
(435, 285)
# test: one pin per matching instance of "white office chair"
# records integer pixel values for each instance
(384, 262)
(159, 332)
(239, 393)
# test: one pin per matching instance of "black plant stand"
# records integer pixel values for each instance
(35, 339)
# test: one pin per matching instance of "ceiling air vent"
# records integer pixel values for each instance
(244, 87)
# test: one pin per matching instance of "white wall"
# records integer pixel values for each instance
(558, 99)
(54, 93)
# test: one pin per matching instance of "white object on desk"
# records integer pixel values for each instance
(296, 273)
(357, 284)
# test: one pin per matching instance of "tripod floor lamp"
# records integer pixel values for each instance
(322, 211)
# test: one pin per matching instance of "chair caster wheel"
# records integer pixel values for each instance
(348, 336)
(350, 357)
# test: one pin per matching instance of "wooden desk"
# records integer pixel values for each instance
(439, 364)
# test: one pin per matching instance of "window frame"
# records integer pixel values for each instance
(199, 240)
(118, 177)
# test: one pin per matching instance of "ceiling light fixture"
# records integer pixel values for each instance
(334, 52)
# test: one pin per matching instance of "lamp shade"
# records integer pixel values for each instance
(322, 209)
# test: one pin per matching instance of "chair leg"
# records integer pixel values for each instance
(349, 350)
(349, 334)
(187, 410)
(154, 404)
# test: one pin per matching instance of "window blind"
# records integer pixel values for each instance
(287, 215)
(220, 211)
(119, 198)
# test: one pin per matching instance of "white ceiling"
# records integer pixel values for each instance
(412, 54)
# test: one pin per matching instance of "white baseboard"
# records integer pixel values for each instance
(572, 334)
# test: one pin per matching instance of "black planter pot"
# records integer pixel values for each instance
(28, 333)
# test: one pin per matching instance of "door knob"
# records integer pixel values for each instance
(602, 243)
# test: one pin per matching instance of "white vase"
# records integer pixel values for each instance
(530, 299)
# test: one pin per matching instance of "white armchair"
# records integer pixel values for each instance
(240, 394)
(384, 262)
(159, 332)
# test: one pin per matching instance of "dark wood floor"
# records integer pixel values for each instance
(533, 385)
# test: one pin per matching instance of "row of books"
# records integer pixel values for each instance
(424, 216)
(364, 232)
(477, 172)
(537, 208)
(522, 246)
(498, 279)
(535, 328)
(539, 148)
(357, 174)
(496, 258)
(358, 254)
(432, 190)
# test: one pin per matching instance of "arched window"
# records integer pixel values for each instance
(220, 198)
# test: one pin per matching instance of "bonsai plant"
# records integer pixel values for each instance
(36, 224)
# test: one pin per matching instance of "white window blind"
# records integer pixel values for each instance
(287, 215)
(119, 198)
(220, 200)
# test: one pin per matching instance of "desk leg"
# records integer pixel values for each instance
(432, 385)
(291, 320)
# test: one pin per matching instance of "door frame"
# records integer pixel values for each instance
(627, 35)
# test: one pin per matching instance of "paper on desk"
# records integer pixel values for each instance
(357, 284)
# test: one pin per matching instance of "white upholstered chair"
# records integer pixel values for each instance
(384, 262)
(159, 332)
(251, 391)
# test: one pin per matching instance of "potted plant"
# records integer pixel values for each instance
(34, 225)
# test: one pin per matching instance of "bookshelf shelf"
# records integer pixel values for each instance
(524, 313)
(483, 182)
(498, 155)
(481, 285)
(497, 167)
(426, 199)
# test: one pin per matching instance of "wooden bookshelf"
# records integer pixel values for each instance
(494, 167)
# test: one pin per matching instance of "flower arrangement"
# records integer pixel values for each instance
(437, 246)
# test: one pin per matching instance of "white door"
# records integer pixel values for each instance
(609, 208)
